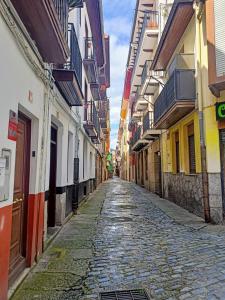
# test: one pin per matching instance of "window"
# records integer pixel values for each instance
(177, 152)
(191, 149)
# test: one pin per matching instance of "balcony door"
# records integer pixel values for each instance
(20, 200)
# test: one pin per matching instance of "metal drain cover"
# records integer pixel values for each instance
(125, 295)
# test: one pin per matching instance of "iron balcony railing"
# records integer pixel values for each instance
(90, 61)
(150, 21)
(62, 8)
(75, 60)
(148, 121)
(137, 135)
(92, 117)
(179, 87)
(147, 72)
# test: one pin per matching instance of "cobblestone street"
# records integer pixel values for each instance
(120, 240)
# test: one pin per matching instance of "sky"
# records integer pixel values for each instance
(118, 19)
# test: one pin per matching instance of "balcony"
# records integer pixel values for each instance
(149, 132)
(90, 63)
(137, 142)
(68, 77)
(180, 16)
(95, 91)
(46, 21)
(150, 79)
(91, 122)
(140, 103)
(103, 118)
(176, 100)
(146, 44)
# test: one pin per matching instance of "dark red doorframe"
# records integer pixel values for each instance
(18, 248)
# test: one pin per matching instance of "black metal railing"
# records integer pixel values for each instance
(147, 72)
(150, 21)
(137, 135)
(148, 121)
(179, 87)
(75, 60)
(92, 116)
(62, 8)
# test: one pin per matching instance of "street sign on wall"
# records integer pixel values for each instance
(12, 128)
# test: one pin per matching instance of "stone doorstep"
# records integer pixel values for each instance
(181, 215)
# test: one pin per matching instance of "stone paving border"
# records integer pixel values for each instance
(179, 214)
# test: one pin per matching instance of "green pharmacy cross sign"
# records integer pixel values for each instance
(220, 111)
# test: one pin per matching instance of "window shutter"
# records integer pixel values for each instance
(177, 144)
(192, 162)
(219, 6)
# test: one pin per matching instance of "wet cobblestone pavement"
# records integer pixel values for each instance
(132, 244)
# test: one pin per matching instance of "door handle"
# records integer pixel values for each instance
(18, 201)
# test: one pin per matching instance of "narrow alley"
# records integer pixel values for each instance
(120, 240)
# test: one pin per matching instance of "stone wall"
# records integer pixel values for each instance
(215, 197)
(185, 190)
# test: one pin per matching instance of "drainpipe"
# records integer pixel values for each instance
(199, 9)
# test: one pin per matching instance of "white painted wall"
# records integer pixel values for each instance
(16, 80)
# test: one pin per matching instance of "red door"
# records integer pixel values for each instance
(20, 200)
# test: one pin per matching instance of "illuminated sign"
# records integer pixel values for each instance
(220, 111)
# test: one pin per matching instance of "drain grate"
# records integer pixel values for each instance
(125, 295)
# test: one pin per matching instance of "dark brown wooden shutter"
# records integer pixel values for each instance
(146, 164)
(177, 149)
(191, 149)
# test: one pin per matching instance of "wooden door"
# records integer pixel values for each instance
(52, 178)
(142, 168)
(158, 178)
(20, 200)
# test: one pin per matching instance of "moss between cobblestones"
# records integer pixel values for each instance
(51, 281)
(64, 266)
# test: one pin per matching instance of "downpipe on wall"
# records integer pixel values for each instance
(199, 9)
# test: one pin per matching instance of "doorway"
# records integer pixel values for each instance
(142, 168)
(52, 177)
(18, 245)
(158, 178)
